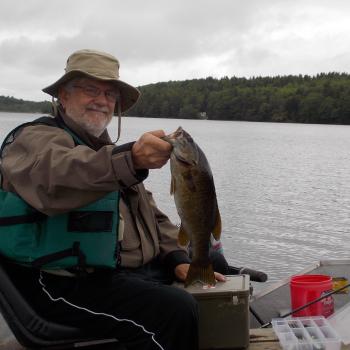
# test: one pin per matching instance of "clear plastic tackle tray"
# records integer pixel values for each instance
(306, 333)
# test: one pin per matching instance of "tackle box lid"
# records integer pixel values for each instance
(234, 285)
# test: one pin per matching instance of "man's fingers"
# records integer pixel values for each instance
(158, 133)
(150, 151)
(219, 277)
(157, 142)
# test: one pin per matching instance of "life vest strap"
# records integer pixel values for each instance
(22, 219)
(74, 251)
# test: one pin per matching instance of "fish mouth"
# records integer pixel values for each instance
(183, 147)
(171, 138)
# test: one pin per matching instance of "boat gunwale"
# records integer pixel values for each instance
(311, 267)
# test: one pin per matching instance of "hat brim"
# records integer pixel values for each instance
(129, 94)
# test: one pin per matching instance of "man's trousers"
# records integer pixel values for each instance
(134, 306)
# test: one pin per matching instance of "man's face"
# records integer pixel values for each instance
(91, 112)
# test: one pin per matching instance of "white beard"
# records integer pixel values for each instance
(93, 125)
(95, 129)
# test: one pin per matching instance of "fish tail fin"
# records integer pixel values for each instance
(202, 273)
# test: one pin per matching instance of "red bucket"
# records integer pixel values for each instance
(306, 288)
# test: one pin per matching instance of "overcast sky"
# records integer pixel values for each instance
(162, 40)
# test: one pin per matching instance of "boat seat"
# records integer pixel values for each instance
(34, 332)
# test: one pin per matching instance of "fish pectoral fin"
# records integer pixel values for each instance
(183, 237)
(217, 228)
(172, 185)
(189, 181)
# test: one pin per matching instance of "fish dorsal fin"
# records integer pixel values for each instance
(183, 238)
(172, 185)
(217, 228)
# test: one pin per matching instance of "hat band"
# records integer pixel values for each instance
(102, 74)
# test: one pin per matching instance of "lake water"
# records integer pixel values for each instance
(283, 189)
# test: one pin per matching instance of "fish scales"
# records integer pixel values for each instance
(195, 198)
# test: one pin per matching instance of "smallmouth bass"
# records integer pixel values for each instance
(193, 188)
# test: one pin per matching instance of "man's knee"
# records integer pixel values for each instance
(182, 304)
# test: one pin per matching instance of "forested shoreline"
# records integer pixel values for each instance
(324, 99)
(11, 104)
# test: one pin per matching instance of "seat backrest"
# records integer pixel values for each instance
(30, 329)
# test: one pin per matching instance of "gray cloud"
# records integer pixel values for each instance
(161, 40)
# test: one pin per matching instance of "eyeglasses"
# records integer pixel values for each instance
(93, 91)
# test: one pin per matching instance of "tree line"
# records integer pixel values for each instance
(324, 98)
(11, 104)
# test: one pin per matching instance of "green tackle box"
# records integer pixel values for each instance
(223, 313)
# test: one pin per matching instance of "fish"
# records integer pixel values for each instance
(192, 185)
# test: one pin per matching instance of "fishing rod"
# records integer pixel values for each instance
(309, 303)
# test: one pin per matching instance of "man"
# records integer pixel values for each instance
(79, 190)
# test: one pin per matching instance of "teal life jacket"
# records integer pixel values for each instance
(87, 236)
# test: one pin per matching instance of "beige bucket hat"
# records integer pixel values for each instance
(96, 65)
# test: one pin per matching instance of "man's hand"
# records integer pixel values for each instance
(150, 151)
(182, 270)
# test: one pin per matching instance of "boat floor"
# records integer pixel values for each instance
(274, 301)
